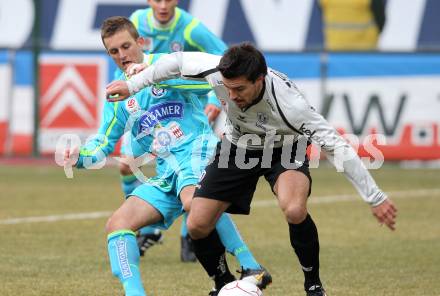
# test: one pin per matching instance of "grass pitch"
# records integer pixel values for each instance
(68, 257)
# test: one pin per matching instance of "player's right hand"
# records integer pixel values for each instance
(212, 111)
(71, 156)
(386, 213)
(117, 91)
(134, 69)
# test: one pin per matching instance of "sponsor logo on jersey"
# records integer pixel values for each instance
(121, 248)
(176, 46)
(158, 92)
(306, 131)
(153, 116)
(132, 105)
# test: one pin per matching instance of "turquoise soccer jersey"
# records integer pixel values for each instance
(166, 121)
(184, 33)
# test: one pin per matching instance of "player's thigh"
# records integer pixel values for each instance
(133, 214)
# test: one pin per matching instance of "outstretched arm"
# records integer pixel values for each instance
(304, 119)
(187, 65)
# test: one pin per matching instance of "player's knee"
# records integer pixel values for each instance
(124, 169)
(197, 229)
(295, 213)
(113, 224)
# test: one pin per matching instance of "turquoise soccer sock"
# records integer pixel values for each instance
(234, 243)
(129, 183)
(183, 228)
(124, 261)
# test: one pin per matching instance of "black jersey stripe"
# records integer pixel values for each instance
(281, 112)
(203, 74)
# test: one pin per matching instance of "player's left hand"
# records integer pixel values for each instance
(386, 213)
(212, 111)
(117, 91)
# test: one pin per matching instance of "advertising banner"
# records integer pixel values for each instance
(396, 96)
(282, 25)
(72, 92)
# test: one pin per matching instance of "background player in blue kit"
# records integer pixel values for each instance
(169, 123)
(167, 28)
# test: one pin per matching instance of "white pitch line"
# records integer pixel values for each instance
(257, 204)
(55, 218)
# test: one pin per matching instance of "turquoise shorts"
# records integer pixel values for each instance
(163, 193)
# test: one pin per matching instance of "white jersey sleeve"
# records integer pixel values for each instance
(304, 119)
(187, 65)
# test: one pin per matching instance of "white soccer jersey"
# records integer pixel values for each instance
(280, 114)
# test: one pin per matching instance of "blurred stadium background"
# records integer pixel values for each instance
(53, 73)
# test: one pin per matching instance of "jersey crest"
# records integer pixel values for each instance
(176, 46)
(148, 44)
(262, 119)
(166, 138)
(158, 92)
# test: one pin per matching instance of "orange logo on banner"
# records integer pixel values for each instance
(69, 95)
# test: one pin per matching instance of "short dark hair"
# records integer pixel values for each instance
(243, 60)
(115, 24)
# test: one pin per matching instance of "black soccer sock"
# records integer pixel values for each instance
(211, 254)
(305, 242)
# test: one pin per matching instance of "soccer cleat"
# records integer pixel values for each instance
(145, 241)
(259, 277)
(316, 290)
(187, 249)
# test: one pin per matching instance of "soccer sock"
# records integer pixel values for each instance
(211, 254)
(234, 244)
(183, 228)
(305, 242)
(124, 261)
(129, 183)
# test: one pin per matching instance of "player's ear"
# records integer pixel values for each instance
(259, 79)
(141, 42)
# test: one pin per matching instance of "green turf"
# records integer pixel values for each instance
(357, 256)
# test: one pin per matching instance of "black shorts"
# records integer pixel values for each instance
(231, 181)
